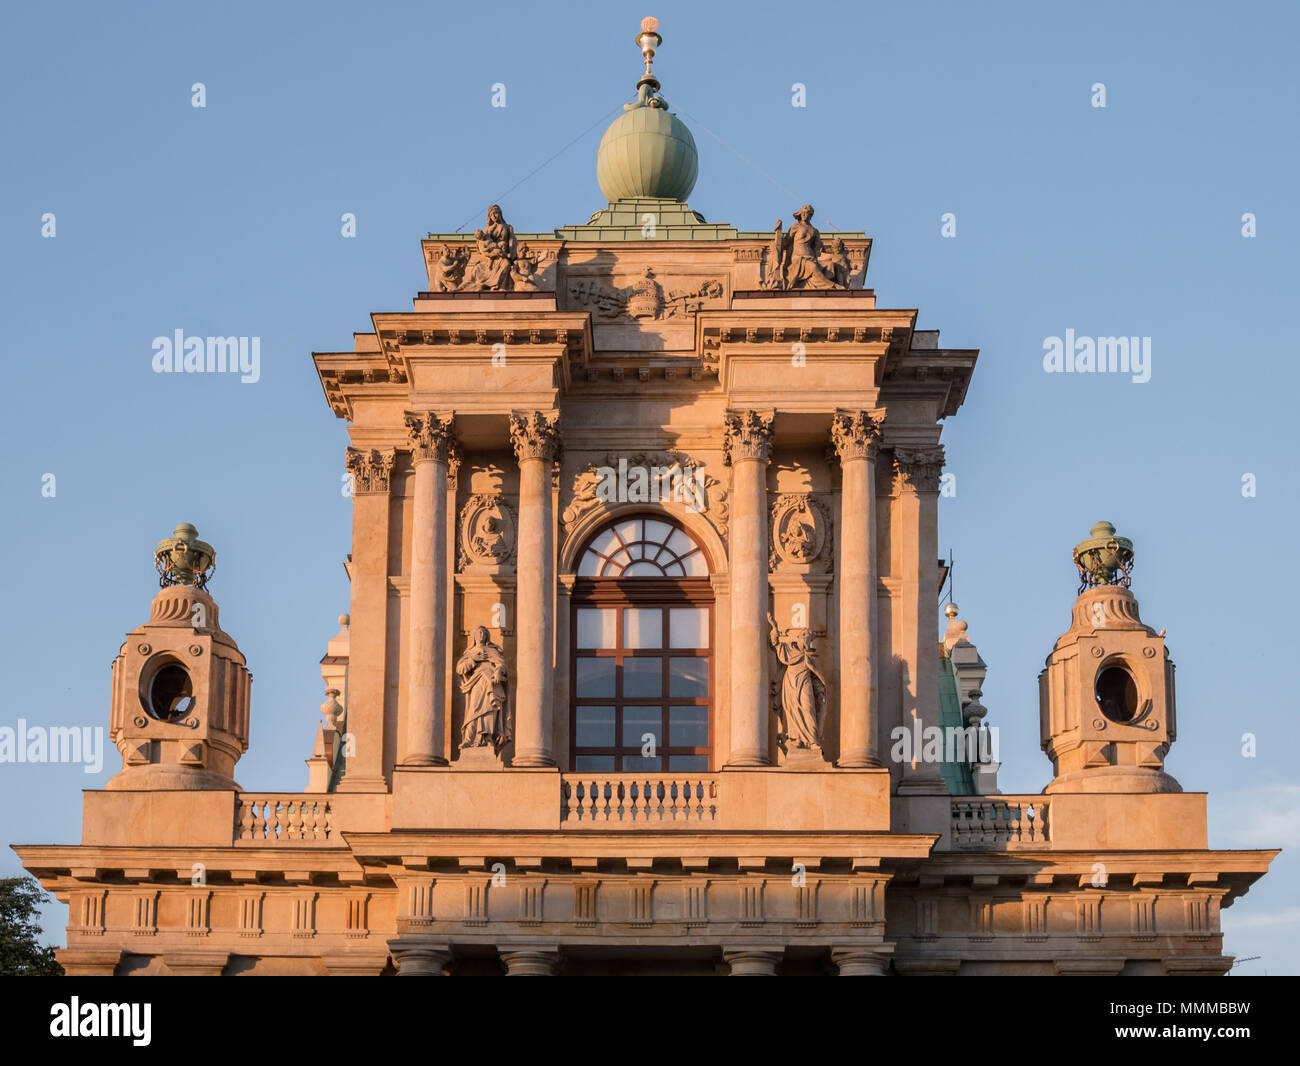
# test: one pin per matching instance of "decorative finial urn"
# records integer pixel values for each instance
(1103, 558)
(183, 559)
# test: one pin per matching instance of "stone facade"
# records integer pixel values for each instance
(579, 451)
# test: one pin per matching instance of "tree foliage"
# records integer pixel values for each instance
(21, 952)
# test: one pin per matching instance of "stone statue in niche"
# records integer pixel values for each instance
(483, 675)
(803, 688)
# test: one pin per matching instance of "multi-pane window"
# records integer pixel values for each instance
(642, 653)
(643, 547)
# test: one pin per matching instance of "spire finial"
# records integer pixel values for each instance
(648, 40)
(183, 559)
(1103, 558)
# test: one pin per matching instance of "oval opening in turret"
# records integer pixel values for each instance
(1117, 694)
(169, 693)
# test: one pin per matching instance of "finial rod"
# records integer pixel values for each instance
(648, 40)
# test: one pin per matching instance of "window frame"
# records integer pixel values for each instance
(620, 593)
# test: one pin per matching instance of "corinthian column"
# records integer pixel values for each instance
(856, 437)
(431, 439)
(916, 486)
(536, 442)
(366, 768)
(747, 447)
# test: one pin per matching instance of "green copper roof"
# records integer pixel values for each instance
(648, 218)
(956, 775)
(647, 152)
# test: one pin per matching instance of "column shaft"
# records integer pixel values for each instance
(856, 437)
(917, 480)
(535, 441)
(426, 652)
(749, 440)
(365, 769)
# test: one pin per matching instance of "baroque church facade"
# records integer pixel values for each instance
(641, 672)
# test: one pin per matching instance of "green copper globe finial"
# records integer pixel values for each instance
(647, 153)
(183, 559)
(1103, 558)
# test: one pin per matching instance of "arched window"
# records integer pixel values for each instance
(641, 651)
(643, 547)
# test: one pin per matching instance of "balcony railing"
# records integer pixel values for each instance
(623, 800)
(1000, 823)
(291, 819)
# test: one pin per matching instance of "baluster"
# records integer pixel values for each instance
(245, 819)
(259, 819)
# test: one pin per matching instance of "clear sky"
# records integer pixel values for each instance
(225, 220)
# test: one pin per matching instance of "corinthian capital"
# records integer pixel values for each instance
(749, 436)
(535, 435)
(856, 434)
(432, 436)
(371, 469)
(919, 468)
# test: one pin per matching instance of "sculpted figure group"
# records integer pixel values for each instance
(497, 262)
(800, 260)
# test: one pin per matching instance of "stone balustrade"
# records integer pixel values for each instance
(285, 819)
(1000, 823)
(623, 800)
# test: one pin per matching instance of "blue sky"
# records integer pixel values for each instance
(226, 220)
